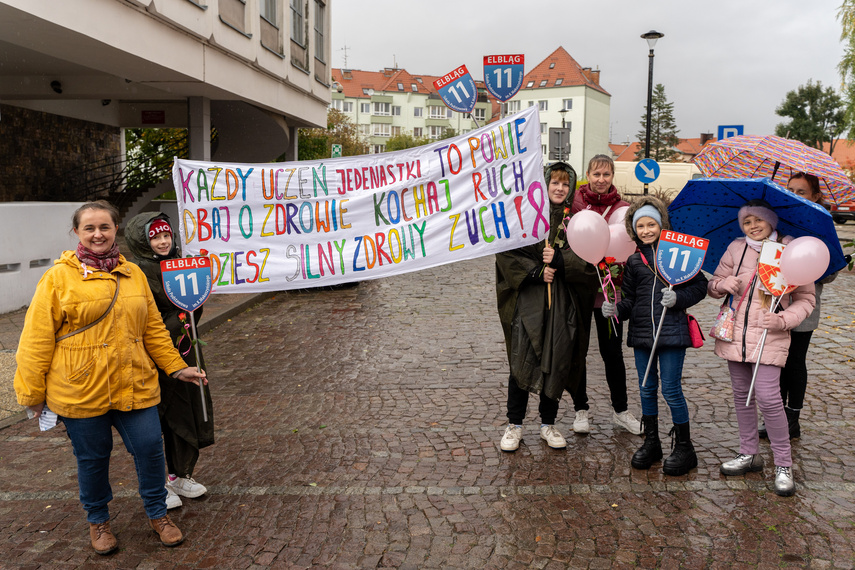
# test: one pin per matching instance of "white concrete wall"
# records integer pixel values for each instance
(33, 234)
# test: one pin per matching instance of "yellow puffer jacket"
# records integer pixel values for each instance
(106, 367)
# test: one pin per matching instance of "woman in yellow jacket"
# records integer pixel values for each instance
(96, 377)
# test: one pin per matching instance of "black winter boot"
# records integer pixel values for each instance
(793, 422)
(651, 450)
(682, 458)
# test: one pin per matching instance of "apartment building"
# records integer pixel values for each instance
(73, 74)
(391, 102)
(394, 101)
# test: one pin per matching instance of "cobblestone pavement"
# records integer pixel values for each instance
(359, 428)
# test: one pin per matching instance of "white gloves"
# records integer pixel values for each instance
(669, 297)
(608, 309)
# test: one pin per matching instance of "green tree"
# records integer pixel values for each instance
(404, 140)
(846, 67)
(816, 114)
(663, 128)
(316, 144)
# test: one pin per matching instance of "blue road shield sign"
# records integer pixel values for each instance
(647, 170)
(503, 75)
(457, 90)
(187, 281)
(679, 257)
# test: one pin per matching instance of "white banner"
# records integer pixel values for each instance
(271, 227)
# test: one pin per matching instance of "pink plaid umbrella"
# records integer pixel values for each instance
(750, 156)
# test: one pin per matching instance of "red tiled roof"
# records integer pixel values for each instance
(560, 65)
(624, 151)
(353, 81)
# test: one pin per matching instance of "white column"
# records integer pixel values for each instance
(199, 131)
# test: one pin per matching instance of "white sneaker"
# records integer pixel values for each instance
(580, 424)
(627, 421)
(511, 439)
(186, 487)
(553, 437)
(173, 501)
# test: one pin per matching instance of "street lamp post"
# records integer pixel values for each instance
(651, 38)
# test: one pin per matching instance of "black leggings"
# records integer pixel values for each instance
(794, 373)
(611, 351)
(518, 402)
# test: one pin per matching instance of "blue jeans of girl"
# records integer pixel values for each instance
(92, 441)
(668, 369)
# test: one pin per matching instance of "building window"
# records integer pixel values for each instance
(414, 87)
(567, 104)
(436, 133)
(436, 112)
(418, 132)
(543, 128)
(543, 105)
(400, 86)
(367, 91)
(382, 109)
(365, 108)
(342, 105)
(543, 149)
(480, 114)
(568, 125)
(543, 82)
(382, 130)
(267, 8)
(297, 24)
(378, 148)
(396, 131)
(531, 103)
(511, 107)
(418, 111)
(559, 81)
(552, 65)
(396, 110)
(529, 84)
(365, 130)
(320, 20)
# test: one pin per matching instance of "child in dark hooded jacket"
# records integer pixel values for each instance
(644, 292)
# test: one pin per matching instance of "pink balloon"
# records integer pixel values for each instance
(620, 245)
(588, 235)
(618, 216)
(804, 260)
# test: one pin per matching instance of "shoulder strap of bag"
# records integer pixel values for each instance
(606, 211)
(99, 319)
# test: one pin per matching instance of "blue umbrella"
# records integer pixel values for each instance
(708, 207)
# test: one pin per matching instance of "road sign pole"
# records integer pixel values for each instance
(198, 366)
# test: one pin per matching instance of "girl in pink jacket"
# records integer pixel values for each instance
(737, 275)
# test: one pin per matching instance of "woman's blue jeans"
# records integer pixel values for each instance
(670, 369)
(92, 441)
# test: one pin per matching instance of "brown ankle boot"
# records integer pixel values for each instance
(102, 538)
(169, 534)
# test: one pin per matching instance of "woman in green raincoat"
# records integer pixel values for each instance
(545, 296)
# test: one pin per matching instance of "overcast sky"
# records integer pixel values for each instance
(729, 62)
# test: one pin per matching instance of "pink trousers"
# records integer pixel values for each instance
(766, 397)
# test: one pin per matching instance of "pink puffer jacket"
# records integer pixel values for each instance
(744, 346)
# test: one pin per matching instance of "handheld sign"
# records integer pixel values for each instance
(457, 90)
(769, 269)
(679, 257)
(503, 75)
(187, 281)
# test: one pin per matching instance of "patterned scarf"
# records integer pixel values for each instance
(106, 261)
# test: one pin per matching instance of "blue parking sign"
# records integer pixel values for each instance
(679, 257)
(503, 75)
(457, 90)
(187, 281)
